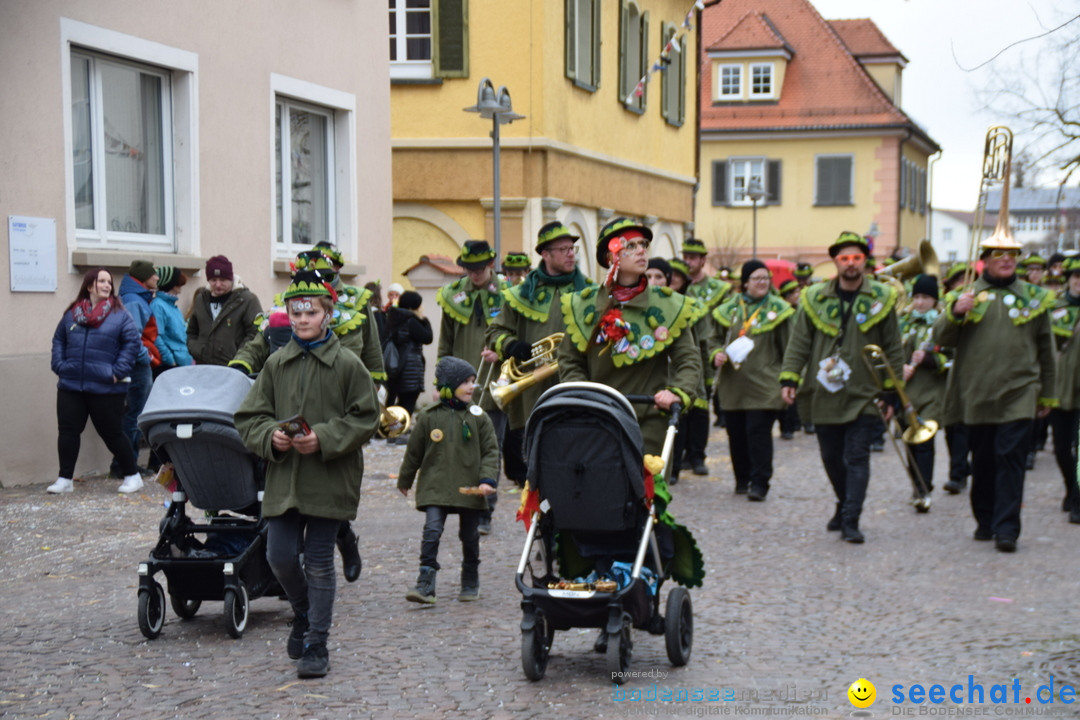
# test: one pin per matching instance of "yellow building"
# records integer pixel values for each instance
(588, 147)
(805, 114)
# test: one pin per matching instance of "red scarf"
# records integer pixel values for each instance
(89, 316)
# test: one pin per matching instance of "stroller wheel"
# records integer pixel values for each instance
(536, 648)
(236, 610)
(152, 611)
(679, 626)
(184, 608)
(619, 651)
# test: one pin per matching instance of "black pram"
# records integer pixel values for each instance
(585, 455)
(189, 416)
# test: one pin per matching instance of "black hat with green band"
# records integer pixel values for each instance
(1032, 260)
(613, 229)
(849, 239)
(803, 270)
(679, 266)
(475, 255)
(315, 259)
(787, 286)
(307, 283)
(516, 261)
(694, 245)
(330, 250)
(551, 232)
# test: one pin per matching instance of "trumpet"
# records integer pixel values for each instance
(393, 421)
(516, 377)
(918, 431)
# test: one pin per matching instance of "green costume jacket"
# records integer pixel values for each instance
(658, 353)
(354, 324)
(529, 320)
(751, 386)
(817, 335)
(446, 460)
(334, 393)
(1064, 319)
(466, 313)
(711, 291)
(926, 388)
(1004, 362)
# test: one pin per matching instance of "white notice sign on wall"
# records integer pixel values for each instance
(32, 253)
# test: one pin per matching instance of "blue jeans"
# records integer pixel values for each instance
(310, 587)
(139, 389)
(435, 520)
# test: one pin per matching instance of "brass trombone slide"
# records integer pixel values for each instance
(918, 431)
(997, 168)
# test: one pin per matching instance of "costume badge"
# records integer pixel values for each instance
(860, 318)
(436, 435)
(983, 296)
(633, 351)
(460, 297)
(647, 342)
(875, 309)
(1014, 313)
(661, 333)
(1010, 300)
(476, 410)
(1060, 313)
(1033, 303)
(770, 316)
(622, 345)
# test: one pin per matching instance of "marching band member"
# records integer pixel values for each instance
(1064, 321)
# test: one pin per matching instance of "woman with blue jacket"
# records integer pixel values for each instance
(93, 352)
(171, 340)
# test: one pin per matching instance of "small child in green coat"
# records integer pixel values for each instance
(454, 449)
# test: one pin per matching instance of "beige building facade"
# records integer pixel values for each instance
(174, 132)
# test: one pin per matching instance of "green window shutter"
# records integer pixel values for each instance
(570, 35)
(596, 20)
(451, 41)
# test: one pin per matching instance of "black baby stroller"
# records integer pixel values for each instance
(189, 416)
(591, 511)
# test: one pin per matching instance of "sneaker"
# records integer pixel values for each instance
(314, 663)
(700, 468)
(295, 645)
(787, 435)
(1005, 544)
(484, 528)
(62, 485)
(132, 483)
(954, 486)
(877, 446)
(469, 594)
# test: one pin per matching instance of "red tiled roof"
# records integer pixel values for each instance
(863, 38)
(824, 85)
(443, 263)
(751, 32)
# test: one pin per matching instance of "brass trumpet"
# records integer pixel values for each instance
(516, 377)
(393, 421)
(918, 431)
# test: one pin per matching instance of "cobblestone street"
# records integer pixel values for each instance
(788, 618)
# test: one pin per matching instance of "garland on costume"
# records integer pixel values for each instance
(664, 60)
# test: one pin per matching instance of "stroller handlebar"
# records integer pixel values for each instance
(675, 409)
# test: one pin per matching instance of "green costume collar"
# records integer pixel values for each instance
(1025, 301)
(457, 299)
(710, 291)
(532, 298)
(774, 310)
(821, 303)
(1064, 317)
(657, 318)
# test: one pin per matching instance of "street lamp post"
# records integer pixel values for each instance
(755, 192)
(495, 106)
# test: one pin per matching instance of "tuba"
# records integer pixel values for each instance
(393, 421)
(517, 377)
(923, 261)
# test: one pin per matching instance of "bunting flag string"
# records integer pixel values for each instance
(665, 55)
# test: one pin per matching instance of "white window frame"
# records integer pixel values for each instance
(720, 94)
(180, 138)
(411, 69)
(772, 81)
(743, 167)
(342, 180)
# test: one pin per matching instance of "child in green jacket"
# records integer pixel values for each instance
(453, 447)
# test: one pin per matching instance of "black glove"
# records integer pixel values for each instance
(519, 349)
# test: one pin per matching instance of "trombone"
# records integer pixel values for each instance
(516, 377)
(997, 167)
(918, 431)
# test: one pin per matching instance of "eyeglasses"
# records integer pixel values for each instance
(851, 258)
(758, 278)
(633, 246)
(561, 250)
(998, 254)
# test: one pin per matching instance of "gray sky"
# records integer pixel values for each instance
(939, 38)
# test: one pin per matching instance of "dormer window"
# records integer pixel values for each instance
(761, 80)
(730, 82)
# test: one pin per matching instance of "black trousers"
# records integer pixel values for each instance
(750, 439)
(435, 521)
(514, 466)
(697, 434)
(997, 475)
(1064, 425)
(845, 452)
(106, 411)
(789, 419)
(956, 439)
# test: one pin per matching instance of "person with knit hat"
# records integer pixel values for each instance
(747, 346)
(172, 329)
(469, 306)
(136, 291)
(313, 476)
(925, 374)
(630, 335)
(1003, 376)
(409, 330)
(222, 315)
(658, 272)
(836, 320)
(515, 267)
(454, 451)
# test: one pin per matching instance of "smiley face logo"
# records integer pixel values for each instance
(862, 693)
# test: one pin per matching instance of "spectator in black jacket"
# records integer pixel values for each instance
(409, 330)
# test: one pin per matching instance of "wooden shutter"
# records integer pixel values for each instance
(596, 20)
(772, 183)
(903, 183)
(624, 21)
(451, 41)
(719, 182)
(834, 181)
(643, 58)
(570, 36)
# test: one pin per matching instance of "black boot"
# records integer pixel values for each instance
(351, 564)
(470, 585)
(849, 531)
(836, 520)
(424, 592)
